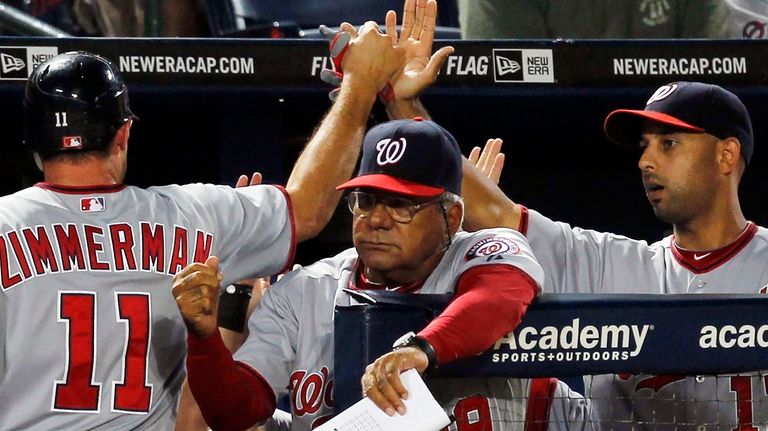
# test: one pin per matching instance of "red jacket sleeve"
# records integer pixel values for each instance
(490, 302)
(231, 395)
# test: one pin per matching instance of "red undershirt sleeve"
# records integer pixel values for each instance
(231, 395)
(524, 218)
(490, 302)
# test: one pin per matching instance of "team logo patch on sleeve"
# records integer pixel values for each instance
(92, 204)
(492, 246)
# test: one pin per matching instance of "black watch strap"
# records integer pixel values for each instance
(238, 289)
(412, 340)
(233, 306)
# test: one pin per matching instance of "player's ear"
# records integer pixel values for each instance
(728, 155)
(38, 160)
(122, 135)
(454, 215)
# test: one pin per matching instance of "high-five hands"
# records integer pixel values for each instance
(419, 67)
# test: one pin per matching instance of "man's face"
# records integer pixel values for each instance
(396, 252)
(680, 172)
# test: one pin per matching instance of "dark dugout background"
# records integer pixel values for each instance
(211, 127)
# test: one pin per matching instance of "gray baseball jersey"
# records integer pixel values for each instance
(747, 19)
(585, 261)
(91, 336)
(291, 333)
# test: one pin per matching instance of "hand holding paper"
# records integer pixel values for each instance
(422, 412)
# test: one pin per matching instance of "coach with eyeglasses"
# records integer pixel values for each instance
(407, 214)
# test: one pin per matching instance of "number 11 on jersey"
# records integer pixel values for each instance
(78, 391)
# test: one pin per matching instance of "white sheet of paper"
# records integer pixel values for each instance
(422, 412)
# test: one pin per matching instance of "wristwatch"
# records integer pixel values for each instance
(412, 340)
(233, 306)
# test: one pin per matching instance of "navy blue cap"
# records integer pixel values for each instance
(693, 107)
(409, 157)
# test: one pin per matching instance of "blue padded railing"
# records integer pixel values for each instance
(573, 335)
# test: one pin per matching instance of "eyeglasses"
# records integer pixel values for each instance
(401, 210)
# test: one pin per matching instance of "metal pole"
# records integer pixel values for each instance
(26, 25)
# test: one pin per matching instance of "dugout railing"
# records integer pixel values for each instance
(716, 344)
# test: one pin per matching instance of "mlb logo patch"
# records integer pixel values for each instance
(71, 142)
(92, 204)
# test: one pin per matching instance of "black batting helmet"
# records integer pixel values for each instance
(75, 101)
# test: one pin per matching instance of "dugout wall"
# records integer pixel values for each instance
(214, 108)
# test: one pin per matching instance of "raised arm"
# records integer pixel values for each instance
(330, 156)
(189, 416)
(486, 204)
(231, 395)
(420, 67)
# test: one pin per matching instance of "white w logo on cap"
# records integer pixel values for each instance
(390, 151)
(662, 93)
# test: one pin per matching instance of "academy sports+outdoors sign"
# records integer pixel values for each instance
(565, 335)
(568, 334)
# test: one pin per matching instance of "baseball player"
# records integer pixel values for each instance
(696, 141)
(415, 42)
(90, 336)
(407, 212)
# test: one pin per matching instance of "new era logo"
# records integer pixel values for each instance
(523, 65)
(71, 142)
(506, 66)
(10, 63)
(17, 63)
(92, 204)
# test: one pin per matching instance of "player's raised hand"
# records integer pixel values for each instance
(419, 66)
(490, 161)
(196, 289)
(381, 381)
(371, 59)
(417, 32)
(256, 179)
